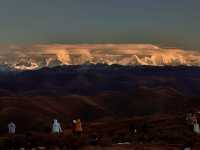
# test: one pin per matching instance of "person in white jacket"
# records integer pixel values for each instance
(56, 128)
(11, 128)
(196, 128)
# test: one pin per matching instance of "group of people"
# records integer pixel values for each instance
(192, 121)
(56, 127)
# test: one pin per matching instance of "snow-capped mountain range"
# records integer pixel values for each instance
(39, 56)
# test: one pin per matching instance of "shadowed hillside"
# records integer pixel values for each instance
(94, 92)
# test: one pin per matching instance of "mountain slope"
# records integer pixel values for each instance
(94, 92)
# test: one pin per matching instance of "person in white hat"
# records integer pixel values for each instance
(56, 128)
(11, 128)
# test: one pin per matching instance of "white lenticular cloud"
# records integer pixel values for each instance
(73, 54)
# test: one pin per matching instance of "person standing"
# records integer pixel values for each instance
(77, 127)
(56, 127)
(11, 128)
(196, 128)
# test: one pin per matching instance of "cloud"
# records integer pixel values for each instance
(124, 54)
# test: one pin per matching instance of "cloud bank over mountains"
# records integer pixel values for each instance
(50, 55)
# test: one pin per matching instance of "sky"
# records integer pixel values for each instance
(169, 23)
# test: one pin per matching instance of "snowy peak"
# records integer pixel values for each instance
(39, 56)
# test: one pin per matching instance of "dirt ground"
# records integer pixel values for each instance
(153, 133)
(140, 147)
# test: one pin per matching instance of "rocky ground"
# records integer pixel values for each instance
(164, 132)
(140, 147)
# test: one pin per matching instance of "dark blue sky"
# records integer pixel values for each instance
(166, 22)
